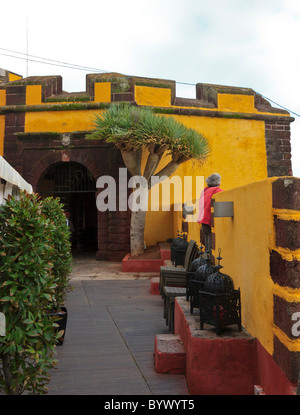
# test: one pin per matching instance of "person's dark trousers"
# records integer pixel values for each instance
(207, 234)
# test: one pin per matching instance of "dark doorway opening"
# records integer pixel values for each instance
(75, 186)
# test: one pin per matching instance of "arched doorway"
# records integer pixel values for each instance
(74, 184)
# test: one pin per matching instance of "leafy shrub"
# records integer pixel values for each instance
(61, 257)
(27, 285)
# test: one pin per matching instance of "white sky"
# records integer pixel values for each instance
(246, 43)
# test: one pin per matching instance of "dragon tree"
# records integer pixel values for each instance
(135, 129)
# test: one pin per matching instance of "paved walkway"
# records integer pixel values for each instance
(109, 345)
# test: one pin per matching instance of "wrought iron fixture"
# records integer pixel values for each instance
(206, 269)
(219, 302)
(198, 261)
(178, 249)
(191, 273)
(196, 282)
(218, 282)
(68, 178)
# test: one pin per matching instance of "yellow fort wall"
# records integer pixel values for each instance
(2, 97)
(59, 121)
(238, 154)
(245, 242)
(238, 149)
(238, 146)
(238, 135)
(14, 77)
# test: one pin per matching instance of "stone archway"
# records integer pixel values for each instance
(100, 159)
(113, 228)
(38, 169)
(75, 186)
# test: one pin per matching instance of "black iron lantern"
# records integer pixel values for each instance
(191, 273)
(219, 302)
(196, 283)
(198, 261)
(218, 282)
(205, 270)
(178, 249)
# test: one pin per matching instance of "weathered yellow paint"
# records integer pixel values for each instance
(287, 214)
(245, 242)
(238, 150)
(237, 146)
(154, 231)
(293, 345)
(60, 121)
(160, 223)
(2, 97)
(161, 97)
(102, 92)
(13, 77)
(152, 96)
(238, 154)
(33, 94)
(2, 129)
(177, 223)
(287, 254)
(236, 103)
(194, 232)
(287, 293)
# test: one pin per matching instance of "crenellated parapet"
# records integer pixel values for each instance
(249, 139)
(45, 94)
(115, 87)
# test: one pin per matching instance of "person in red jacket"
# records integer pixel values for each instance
(213, 186)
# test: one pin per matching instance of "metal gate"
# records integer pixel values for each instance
(69, 177)
(76, 188)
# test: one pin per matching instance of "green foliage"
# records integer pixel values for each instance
(134, 128)
(26, 287)
(61, 257)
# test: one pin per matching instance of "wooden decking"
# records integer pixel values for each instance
(109, 343)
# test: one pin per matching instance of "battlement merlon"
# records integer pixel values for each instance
(211, 94)
(105, 88)
(16, 91)
(8, 76)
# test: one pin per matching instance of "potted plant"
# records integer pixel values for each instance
(61, 258)
(26, 287)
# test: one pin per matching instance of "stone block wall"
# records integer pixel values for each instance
(285, 273)
(260, 247)
(278, 147)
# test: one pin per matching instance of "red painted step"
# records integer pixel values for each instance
(169, 354)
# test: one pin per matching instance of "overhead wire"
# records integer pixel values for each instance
(276, 103)
(50, 61)
(53, 62)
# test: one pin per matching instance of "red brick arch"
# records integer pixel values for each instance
(113, 228)
(38, 170)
